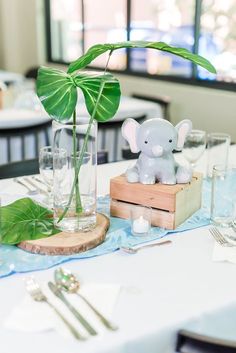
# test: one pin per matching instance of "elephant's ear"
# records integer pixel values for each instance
(129, 132)
(183, 129)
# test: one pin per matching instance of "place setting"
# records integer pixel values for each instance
(64, 305)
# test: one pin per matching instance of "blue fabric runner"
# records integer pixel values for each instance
(13, 259)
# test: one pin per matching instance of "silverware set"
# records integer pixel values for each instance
(67, 282)
(32, 184)
(222, 239)
(36, 293)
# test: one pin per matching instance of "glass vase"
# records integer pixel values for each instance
(74, 175)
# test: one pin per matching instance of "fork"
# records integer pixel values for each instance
(22, 183)
(219, 237)
(36, 293)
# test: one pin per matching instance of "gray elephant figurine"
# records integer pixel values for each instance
(156, 139)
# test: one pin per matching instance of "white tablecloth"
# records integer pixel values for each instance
(164, 290)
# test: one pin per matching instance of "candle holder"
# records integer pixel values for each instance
(140, 218)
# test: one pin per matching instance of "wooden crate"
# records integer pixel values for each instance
(171, 204)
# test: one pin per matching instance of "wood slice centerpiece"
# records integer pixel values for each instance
(69, 243)
(171, 204)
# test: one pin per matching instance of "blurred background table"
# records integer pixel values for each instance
(19, 120)
(10, 77)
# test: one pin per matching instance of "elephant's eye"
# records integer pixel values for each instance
(145, 142)
(170, 141)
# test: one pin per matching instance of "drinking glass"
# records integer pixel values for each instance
(46, 168)
(223, 195)
(46, 165)
(194, 146)
(218, 150)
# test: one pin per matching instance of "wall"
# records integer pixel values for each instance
(19, 21)
(209, 109)
(1, 37)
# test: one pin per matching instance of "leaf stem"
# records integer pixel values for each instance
(78, 205)
(81, 155)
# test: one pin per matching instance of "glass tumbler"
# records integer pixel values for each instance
(218, 150)
(223, 196)
(194, 146)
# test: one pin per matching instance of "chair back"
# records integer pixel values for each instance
(190, 342)
(31, 166)
(16, 169)
(110, 138)
(24, 140)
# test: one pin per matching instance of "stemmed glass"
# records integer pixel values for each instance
(46, 156)
(194, 146)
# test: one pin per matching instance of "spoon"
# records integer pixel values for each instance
(131, 250)
(68, 282)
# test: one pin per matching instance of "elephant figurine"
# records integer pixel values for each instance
(156, 139)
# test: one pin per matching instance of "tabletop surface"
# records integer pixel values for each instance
(163, 290)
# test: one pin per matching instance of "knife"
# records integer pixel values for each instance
(58, 293)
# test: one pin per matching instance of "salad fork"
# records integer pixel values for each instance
(219, 237)
(36, 293)
(22, 183)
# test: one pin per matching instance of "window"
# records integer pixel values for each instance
(206, 27)
(66, 30)
(105, 21)
(167, 21)
(218, 38)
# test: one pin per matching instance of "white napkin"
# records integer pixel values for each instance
(30, 316)
(224, 253)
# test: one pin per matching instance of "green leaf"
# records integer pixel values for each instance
(57, 92)
(90, 82)
(25, 220)
(99, 49)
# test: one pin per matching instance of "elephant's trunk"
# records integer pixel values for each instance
(157, 151)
